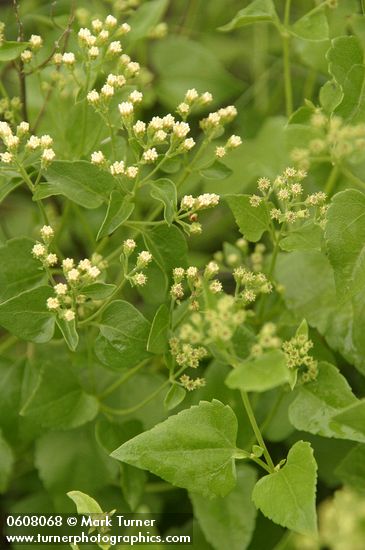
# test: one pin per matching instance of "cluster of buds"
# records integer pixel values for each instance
(297, 358)
(21, 138)
(136, 275)
(10, 108)
(190, 207)
(250, 284)
(99, 42)
(188, 356)
(117, 168)
(191, 384)
(193, 99)
(287, 190)
(41, 251)
(100, 100)
(213, 125)
(195, 282)
(267, 339)
(232, 143)
(35, 43)
(335, 139)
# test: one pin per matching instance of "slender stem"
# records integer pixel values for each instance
(332, 178)
(354, 179)
(286, 59)
(256, 429)
(20, 65)
(131, 372)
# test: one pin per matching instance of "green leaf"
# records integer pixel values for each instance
(263, 373)
(252, 221)
(345, 52)
(228, 522)
(288, 496)
(330, 95)
(345, 238)
(84, 503)
(257, 11)
(119, 210)
(98, 291)
(79, 181)
(351, 470)
(70, 459)
(315, 408)
(7, 185)
(57, 401)
(158, 336)
(69, 332)
(307, 237)
(83, 130)
(181, 63)
(352, 106)
(10, 50)
(174, 397)
(199, 459)
(353, 419)
(164, 190)
(19, 270)
(122, 342)
(145, 18)
(6, 463)
(168, 247)
(312, 26)
(217, 171)
(27, 317)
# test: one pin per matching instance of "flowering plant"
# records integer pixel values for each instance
(182, 297)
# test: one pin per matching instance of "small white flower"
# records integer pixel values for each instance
(139, 127)
(26, 56)
(47, 232)
(68, 264)
(7, 158)
(53, 303)
(97, 25)
(35, 41)
(97, 157)
(126, 108)
(211, 269)
(136, 96)
(255, 200)
(33, 142)
(51, 259)
(215, 287)
(150, 155)
(12, 142)
(57, 58)
(160, 136)
(207, 200)
(117, 168)
(188, 144)
(187, 202)
(103, 36)
(125, 28)
(5, 129)
(156, 123)
(68, 58)
(46, 140)
(38, 250)
(125, 59)
(110, 21)
(48, 155)
(129, 245)
(191, 95)
(144, 258)
(183, 108)
(139, 279)
(206, 97)
(178, 273)
(84, 35)
(69, 315)
(107, 91)
(131, 172)
(234, 141)
(192, 272)
(93, 96)
(23, 128)
(93, 272)
(93, 52)
(115, 47)
(181, 129)
(73, 275)
(220, 152)
(60, 289)
(177, 291)
(133, 68)
(84, 264)
(168, 121)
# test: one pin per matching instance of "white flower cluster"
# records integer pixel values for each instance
(232, 143)
(13, 141)
(214, 123)
(194, 280)
(135, 276)
(250, 284)
(193, 98)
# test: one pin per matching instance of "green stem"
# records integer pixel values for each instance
(110, 389)
(354, 179)
(332, 178)
(101, 309)
(286, 60)
(256, 429)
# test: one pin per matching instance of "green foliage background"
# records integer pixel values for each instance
(276, 62)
